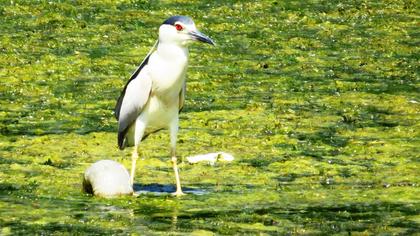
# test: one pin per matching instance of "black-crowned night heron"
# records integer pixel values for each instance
(154, 95)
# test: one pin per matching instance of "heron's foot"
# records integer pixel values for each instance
(178, 193)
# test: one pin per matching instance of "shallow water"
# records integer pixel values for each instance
(317, 100)
(159, 189)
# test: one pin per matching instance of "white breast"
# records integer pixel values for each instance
(167, 68)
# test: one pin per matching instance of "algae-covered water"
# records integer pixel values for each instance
(317, 100)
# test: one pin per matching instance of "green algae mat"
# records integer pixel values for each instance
(317, 100)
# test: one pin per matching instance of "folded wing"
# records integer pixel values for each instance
(131, 102)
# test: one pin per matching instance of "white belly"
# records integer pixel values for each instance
(159, 114)
(155, 116)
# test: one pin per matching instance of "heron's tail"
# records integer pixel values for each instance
(121, 140)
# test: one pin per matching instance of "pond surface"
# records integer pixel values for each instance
(317, 100)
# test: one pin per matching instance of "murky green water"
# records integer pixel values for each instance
(317, 100)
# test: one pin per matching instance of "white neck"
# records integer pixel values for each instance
(172, 51)
(167, 67)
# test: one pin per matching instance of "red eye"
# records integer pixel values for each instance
(179, 27)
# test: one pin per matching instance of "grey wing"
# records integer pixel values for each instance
(117, 108)
(133, 76)
(182, 96)
(132, 101)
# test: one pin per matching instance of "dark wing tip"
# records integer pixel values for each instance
(121, 139)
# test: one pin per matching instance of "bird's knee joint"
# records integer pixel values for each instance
(135, 156)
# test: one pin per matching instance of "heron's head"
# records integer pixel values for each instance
(181, 30)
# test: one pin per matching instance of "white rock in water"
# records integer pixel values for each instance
(211, 158)
(107, 178)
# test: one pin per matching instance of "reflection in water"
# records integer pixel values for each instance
(160, 189)
(174, 221)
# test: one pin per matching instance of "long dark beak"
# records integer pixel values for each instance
(197, 35)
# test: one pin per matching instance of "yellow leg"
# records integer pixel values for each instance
(134, 157)
(178, 181)
(173, 132)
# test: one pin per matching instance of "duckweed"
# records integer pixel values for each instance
(318, 101)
